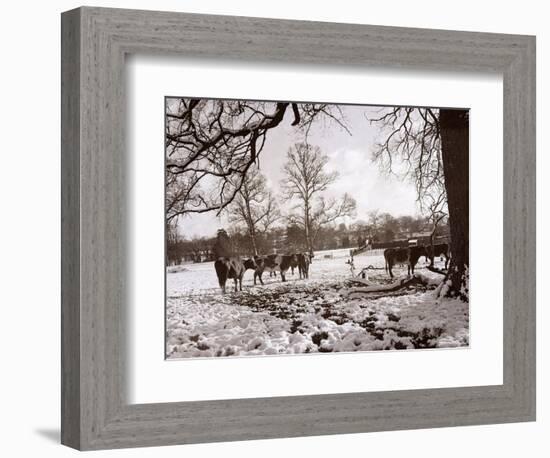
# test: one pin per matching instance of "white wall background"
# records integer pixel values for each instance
(29, 233)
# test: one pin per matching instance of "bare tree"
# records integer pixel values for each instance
(254, 206)
(374, 223)
(223, 247)
(216, 142)
(305, 180)
(433, 143)
(388, 226)
(173, 256)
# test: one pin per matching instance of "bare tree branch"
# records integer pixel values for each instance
(212, 144)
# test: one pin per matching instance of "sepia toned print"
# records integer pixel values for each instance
(298, 227)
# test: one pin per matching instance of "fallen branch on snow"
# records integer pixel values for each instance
(402, 283)
(359, 280)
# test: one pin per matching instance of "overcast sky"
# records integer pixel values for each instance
(349, 155)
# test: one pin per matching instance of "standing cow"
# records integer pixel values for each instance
(409, 256)
(304, 260)
(394, 256)
(295, 263)
(415, 253)
(273, 263)
(232, 268)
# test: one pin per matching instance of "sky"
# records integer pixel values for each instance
(350, 154)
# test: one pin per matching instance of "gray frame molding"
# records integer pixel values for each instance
(95, 413)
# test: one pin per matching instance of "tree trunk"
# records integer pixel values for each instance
(432, 237)
(307, 228)
(253, 240)
(454, 127)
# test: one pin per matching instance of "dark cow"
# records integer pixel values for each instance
(439, 249)
(304, 260)
(232, 268)
(394, 256)
(294, 262)
(409, 256)
(415, 253)
(273, 263)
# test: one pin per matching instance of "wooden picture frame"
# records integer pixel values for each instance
(95, 412)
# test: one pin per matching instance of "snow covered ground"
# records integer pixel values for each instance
(304, 316)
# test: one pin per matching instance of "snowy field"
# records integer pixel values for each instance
(321, 314)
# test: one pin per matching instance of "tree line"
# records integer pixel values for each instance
(236, 241)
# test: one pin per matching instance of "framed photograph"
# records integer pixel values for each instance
(278, 228)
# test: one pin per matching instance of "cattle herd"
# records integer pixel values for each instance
(235, 267)
(412, 254)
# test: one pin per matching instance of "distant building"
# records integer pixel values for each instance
(420, 238)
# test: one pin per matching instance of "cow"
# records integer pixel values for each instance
(232, 268)
(409, 256)
(295, 263)
(415, 253)
(304, 260)
(394, 256)
(439, 249)
(273, 263)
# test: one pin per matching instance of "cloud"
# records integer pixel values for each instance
(372, 189)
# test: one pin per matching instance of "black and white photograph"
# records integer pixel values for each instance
(275, 229)
(305, 227)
